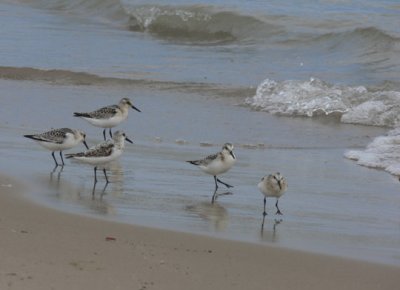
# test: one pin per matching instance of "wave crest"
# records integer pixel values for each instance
(197, 23)
(381, 153)
(357, 105)
(187, 23)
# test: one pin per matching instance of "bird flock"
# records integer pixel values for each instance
(271, 185)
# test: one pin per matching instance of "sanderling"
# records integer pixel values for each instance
(217, 164)
(273, 185)
(59, 140)
(108, 117)
(103, 153)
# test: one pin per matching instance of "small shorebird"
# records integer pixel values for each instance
(217, 164)
(59, 140)
(273, 185)
(103, 153)
(108, 117)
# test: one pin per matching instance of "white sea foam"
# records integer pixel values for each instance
(380, 108)
(357, 105)
(382, 153)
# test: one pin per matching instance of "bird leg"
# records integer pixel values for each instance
(110, 133)
(216, 185)
(214, 197)
(227, 185)
(278, 210)
(105, 174)
(265, 202)
(95, 175)
(55, 160)
(104, 134)
(62, 160)
(262, 224)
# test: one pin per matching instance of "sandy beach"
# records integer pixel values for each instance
(300, 89)
(46, 249)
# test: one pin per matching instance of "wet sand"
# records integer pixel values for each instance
(332, 205)
(42, 248)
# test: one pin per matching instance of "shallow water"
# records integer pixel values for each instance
(204, 74)
(332, 205)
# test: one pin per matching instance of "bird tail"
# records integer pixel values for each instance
(71, 155)
(194, 162)
(33, 137)
(76, 114)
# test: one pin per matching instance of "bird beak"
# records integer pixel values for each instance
(233, 155)
(129, 140)
(279, 184)
(133, 107)
(84, 142)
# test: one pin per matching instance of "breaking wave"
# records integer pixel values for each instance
(214, 25)
(356, 105)
(382, 153)
(191, 23)
(198, 23)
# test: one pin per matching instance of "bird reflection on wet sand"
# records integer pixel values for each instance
(53, 172)
(61, 187)
(102, 192)
(116, 178)
(216, 214)
(216, 195)
(268, 234)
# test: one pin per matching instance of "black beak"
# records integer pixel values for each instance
(84, 142)
(233, 155)
(279, 184)
(133, 107)
(129, 140)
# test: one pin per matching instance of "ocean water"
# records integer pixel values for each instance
(309, 88)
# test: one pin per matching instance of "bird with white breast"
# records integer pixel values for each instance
(273, 185)
(217, 164)
(109, 116)
(103, 153)
(59, 140)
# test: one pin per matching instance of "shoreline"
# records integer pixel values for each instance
(43, 248)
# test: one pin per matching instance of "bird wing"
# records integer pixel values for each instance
(100, 150)
(206, 161)
(53, 136)
(105, 112)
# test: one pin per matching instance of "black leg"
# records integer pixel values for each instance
(278, 210)
(103, 191)
(265, 202)
(55, 160)
(262, 224)
(62, 159)
(95, 175)
(104, 134)
(226, 184)
(214, 197)
(216, 185)
(110, 133)
(105, 174)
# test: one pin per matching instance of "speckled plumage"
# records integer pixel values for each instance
(217, 164)
(109, 116)
(102, 113)
(59, 140)
(103, 153)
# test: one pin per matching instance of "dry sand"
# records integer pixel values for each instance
(41, 248)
